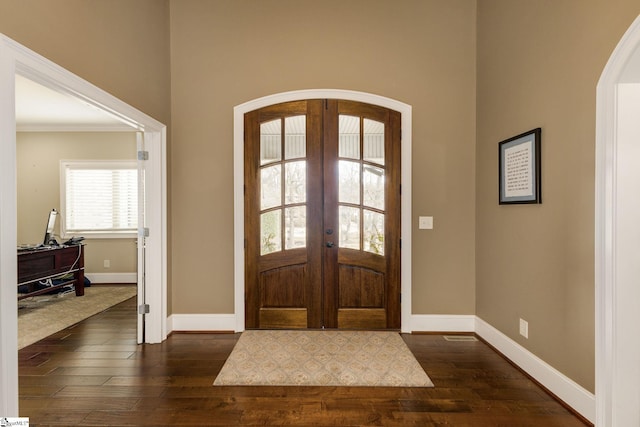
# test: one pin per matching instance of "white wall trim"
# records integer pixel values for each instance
(8, 235)
(443, 323)
(612, 378)
(238, 185)
(566, 389)
(201, 322)
(72, 128)
(112, 277)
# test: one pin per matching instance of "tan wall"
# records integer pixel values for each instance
(227, 52)
(120, 46)
(38, 177)
(538, 65)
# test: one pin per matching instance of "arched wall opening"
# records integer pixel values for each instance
(618, 235)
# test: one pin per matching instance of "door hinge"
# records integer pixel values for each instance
(143, 309)
(400, 243)
(143, 232)
(143, 155)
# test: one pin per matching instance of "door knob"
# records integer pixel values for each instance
(330, 244)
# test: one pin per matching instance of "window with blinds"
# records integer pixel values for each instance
(99, 198)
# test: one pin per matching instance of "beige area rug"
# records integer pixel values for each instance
(322, 358)
(41, 316)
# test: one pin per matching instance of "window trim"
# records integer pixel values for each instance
(91, 164)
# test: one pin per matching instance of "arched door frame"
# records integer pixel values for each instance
(612, 280)
(238, 186)
(17, 59)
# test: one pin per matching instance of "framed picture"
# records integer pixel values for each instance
(519, 173)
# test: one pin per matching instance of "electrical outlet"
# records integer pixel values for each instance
(425, 222)
(107, 263)
(524, 328)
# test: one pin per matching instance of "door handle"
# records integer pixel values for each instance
(330, 244)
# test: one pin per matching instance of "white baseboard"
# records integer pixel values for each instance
(442, 323)
(201, 322)
(581, 400)
(112, 277)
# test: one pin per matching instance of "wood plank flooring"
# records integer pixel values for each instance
(94, 374)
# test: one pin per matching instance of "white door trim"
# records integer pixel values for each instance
(614, 378)
(238, 186)
(17, 59)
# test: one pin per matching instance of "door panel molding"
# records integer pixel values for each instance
(239, 241)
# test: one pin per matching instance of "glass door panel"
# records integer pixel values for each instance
(349, 227)
(295, 183)
(295, 220)
(373, 141)
(373, 226)
(361, 183)
(349, 182)
(349, 137)
(295, 144)
(283, 220)
(270, 187)
(270, 142)
(373, 187)
(270, 232)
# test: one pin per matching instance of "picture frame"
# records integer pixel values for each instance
(520, 169)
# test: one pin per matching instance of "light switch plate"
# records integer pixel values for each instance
(425, 222)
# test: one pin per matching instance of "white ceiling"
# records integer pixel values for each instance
(39, 108)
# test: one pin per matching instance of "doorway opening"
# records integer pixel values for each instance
(16, 59)
(322, 223)
(239, 170)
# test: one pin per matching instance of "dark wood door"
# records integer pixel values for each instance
(322, 216)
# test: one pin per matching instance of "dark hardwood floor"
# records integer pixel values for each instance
(94, 374)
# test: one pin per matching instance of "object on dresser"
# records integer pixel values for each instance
(76, 240)
(49, 239)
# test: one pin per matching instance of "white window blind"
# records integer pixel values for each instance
(100, 197)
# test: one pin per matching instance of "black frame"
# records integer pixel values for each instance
(530, 167)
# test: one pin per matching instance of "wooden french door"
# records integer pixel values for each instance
(322, 216)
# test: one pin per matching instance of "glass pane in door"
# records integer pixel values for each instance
(373, 229)
(295, 223)
(373, 144)
(295, 137)
(295, 182)
(270, 187)
(349, 137)
(270, 141)
(270, 232)
(349, 227)
(373, 187)
(349, 182)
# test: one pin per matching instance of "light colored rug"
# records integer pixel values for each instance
(325, 358)
(41, 316)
